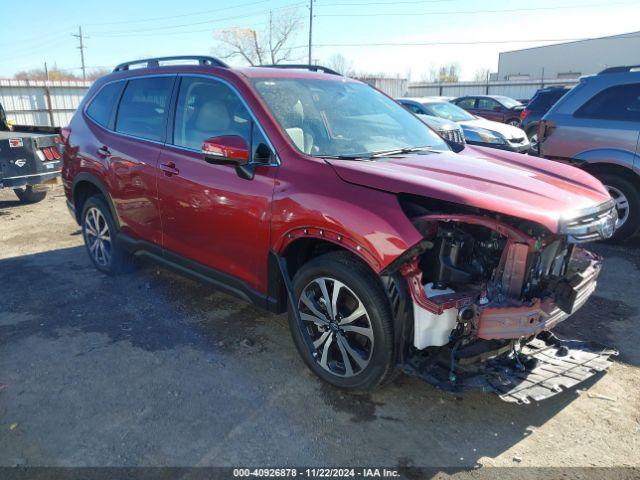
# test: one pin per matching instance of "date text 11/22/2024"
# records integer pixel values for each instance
(316, 472)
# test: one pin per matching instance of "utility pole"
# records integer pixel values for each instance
(81, 47)
(310, 27)
(273, 61)
(46, 72)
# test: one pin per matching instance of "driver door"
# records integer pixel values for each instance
(211, 217)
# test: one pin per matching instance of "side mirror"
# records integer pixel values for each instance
(226, 150)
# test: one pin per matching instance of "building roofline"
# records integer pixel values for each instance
(619, 36)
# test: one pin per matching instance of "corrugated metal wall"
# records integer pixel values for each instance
(33, 102)
(394, 87)
(519, 89)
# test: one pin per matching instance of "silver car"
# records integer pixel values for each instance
(477, 130)
(596, 126)
(447, 129)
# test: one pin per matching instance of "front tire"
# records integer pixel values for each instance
(99, 232)
(534, 144)
(345, 333)
(27, 194)
(627, 199)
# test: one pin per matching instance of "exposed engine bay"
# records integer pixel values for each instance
(486, 288)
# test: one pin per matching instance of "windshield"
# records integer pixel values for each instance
(448, 110)
(507, 102)
(329, 118)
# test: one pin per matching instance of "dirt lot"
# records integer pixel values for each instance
(150, 368)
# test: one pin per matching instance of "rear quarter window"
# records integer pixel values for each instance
(544, 101)
(142, 108)
(621, 102)
(102, 106)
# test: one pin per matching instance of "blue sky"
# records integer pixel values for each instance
(35, 31)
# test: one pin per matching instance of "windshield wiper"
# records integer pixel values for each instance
(399, 151)
(363, 156)
(381, 153)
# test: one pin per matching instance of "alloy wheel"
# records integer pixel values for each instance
(533, 142)
(97, 236)
(337, 327)
(622, 204)
(514, 123)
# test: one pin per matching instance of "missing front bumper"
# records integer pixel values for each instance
(543, 368)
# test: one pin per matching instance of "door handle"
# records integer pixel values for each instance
(104, 152)
(169, 169)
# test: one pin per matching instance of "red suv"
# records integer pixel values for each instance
(298, 189)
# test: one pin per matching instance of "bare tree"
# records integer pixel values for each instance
(341, 64)
(270, 46)
(481, 75)
(449, 73)
(445, 73)
(56, 73)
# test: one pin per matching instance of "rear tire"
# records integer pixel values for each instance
(627, 199)
(360, 330)
(99, 231)
(28, 195)
(514, 122)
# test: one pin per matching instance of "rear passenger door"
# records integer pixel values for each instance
(140, 128)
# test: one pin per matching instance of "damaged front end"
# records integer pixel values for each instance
(485, 291)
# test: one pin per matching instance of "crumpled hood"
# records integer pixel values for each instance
(522, 186)
(507, 131)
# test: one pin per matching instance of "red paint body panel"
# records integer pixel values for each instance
(211, 215)
(309, 194)
(500, 182)
(171, 197)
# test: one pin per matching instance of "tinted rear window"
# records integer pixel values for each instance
(543, 101)
(142, 108)
(621, 102)
(101, 107)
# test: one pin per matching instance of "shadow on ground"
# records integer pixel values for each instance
(151, 368)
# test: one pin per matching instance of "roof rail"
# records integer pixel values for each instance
(313, 68)
(624, 69)
(155, 62)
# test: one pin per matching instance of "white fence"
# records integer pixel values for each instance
(36, 102)
(394, 87)
(518, 89)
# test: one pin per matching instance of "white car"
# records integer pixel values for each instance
(477, 130)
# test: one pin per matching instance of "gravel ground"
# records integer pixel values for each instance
(151, 368)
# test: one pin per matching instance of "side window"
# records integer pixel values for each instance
(102, 105)
(208, 108)
(466, 103)
(616, 103)
(412, 108)
(142, 107)
(487, 104)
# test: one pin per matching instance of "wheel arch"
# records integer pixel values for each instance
(302, 247)
(86, 185)
(596, 168)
